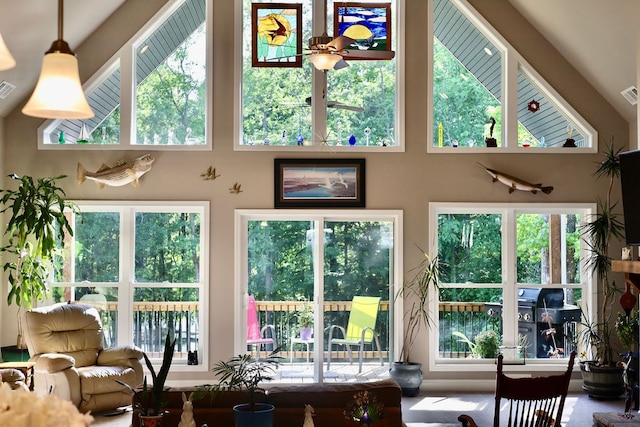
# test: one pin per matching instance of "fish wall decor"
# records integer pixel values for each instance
(516, 183)
(122, 173)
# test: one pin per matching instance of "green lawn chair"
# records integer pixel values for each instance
(361, 328)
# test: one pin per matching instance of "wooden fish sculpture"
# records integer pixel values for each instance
(515, 183)
(122, 173)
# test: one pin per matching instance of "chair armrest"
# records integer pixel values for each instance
(467, 421)
(119, 355)
(344, 333)
(54, 362)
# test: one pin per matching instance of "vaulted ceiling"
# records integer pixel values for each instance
(599, 38)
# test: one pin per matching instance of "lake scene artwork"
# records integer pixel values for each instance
(301, 182)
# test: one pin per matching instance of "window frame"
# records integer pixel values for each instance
(512, 63)
(508, 212)
(319, 83)
(126, 283)
(124, 58)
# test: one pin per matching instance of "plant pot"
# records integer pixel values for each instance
(261, 417)
(150, 420)
(306, 333)
(408, 376)
(602, 382)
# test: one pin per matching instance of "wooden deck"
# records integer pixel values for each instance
(339, 372)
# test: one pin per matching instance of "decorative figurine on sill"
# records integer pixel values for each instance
(490, 140)
(186, 419)
(570, 142)
(309, 412)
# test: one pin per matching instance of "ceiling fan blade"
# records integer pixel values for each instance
(340, 42)
(369, 54)
(336, 104)
(341, 64)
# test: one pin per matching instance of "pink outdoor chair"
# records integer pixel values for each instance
(257, 337)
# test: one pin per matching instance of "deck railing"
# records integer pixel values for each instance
(152, 320)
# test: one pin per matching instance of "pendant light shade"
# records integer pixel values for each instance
(58, 93)
(6, 59)
(324, 61)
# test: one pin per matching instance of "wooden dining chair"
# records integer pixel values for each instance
(531, 402)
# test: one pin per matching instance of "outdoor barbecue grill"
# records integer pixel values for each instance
(539, 311)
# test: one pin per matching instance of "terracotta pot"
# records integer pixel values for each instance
(150, 420)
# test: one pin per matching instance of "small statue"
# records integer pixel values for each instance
(308, 414)
(186, 419)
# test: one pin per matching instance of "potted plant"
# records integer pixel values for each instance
(244, 372)
(416, 291)
(602, 377)
(151, 403)
(305, 321)
(36, 225)
(485, 345)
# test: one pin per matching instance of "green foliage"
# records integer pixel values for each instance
(152, 400)
(242, 372)
(485, 345)
(598, 234)
(37, 221)
(305, 316)
(419, 290)
(628, 330)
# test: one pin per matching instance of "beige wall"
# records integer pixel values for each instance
(407, 181)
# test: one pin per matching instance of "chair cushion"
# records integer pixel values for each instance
(71, 329)
(102, 379)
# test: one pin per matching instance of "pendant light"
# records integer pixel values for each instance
(58, 93)
(6, 59)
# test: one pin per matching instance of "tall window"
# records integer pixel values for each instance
(484, 94)
(513, 269)
(166, 104)
(352, 108)
(141, 265)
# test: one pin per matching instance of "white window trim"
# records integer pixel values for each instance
(588, 282)
(317, 76)
(511, 59)
(124, 58)
(127, 283)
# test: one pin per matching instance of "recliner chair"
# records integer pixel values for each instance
(66, 343)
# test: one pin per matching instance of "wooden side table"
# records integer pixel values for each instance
(26, 368)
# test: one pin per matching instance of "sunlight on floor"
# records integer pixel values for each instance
(435, 403)
(569, 406)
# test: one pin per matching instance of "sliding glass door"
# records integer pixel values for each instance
(339, 265)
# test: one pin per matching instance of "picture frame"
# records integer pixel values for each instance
(350, 17)
(319, 183)
(275, 34)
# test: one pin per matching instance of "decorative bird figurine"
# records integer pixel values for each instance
(210, 174)
(236, 188)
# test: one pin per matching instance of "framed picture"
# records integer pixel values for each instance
(319, 183)
(275, 34)
(369, 24)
